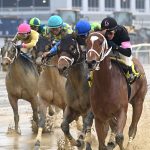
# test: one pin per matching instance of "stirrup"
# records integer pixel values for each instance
(135, 73)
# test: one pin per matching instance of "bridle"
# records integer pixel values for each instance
(102, 54)
(16, 54)
(69, 60)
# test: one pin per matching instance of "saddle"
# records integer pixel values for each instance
(125, 70)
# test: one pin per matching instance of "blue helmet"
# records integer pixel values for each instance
(82, 27)
(55, 21)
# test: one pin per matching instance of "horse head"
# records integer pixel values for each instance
(97, 50)
(9, 52)
(43, 45)
(69, 52)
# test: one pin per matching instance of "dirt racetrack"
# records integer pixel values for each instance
(26, 140)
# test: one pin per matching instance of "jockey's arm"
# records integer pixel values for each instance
(34, 40)
(125, 50)
(54, 49)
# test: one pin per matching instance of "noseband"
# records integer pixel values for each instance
(70, 61)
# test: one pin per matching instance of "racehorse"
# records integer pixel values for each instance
(71, 64)
(109, 92)
(21, 79)
(51, 91)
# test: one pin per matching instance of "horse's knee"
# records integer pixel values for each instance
(89, 119)
(119, 138)
(65, 127)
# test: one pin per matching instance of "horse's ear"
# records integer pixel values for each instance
(74, 35)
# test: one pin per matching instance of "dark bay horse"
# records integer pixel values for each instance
(71, 64)
(21, 79)
(109, 92)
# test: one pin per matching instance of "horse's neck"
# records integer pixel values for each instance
(22, 65)
(105, 73)
(50, 69)
(78, 75)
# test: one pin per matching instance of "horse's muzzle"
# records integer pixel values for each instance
(63, 71)
(91, 64)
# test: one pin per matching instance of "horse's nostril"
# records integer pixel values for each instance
(6, 63)
(64, 68)
(93, 62)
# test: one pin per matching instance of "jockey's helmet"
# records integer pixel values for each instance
(95, 25)
(35, 22)
(82, 27)
(55, 21)
(24, 28)
(109, 23)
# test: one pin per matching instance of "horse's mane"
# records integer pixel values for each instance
(26, 63)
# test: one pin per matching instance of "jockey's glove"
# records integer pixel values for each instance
(54, 49)
(113, 45)
(19, 46)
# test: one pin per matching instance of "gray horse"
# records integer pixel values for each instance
(21, 79)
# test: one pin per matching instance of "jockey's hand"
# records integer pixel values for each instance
(19, 46)
(112, 44)
(45, 54)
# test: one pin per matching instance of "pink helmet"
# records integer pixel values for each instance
(24, 28)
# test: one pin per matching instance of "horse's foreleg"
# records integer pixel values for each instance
(121, 121)
(42, 113)
(137, 110)
(35, 109)
(87, 124)
(102, 130)
(51, 111)
(14, 104)
(113, 126)
(68, 117)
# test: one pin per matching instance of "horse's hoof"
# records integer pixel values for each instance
(37, 145)
(80, 144)
(12, 131)
(111, 145)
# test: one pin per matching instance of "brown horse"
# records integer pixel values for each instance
(21, 79)
(71, 64)
(109, 92)
(51, 91)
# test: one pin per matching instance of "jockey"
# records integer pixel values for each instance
(118, 38)
(95, 26)
(82, 29)
(56, 29)
(28, 38)
(35, 24)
